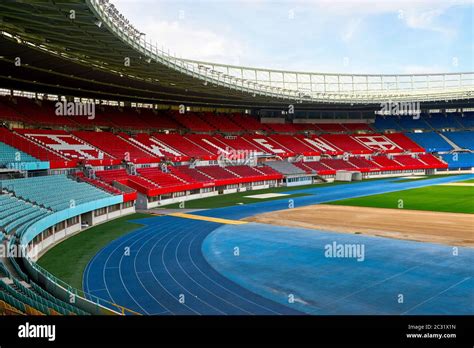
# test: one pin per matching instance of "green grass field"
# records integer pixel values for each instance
(453, 199)
(68, 260)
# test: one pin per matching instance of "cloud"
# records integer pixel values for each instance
(186, 41)
(323, 32)
(351, 28)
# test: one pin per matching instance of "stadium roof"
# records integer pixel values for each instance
(84, 48)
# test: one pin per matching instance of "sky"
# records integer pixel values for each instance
(342, 36)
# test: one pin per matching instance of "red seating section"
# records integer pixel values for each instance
(293, 143)
(193, 122)
(136, 182)
(68, 145)
(432, 161)
(42, 153)
(386, 164)
(268, 145)
(155, 147)
(208, 142)
(191, 175)
(158, 120)
(116, 146)
(237, 143)
(216, 172)
(337, 164)
(269, 172)
(221, 122)
(330, 127)
(185, 146)
(358, 127)
(318, 167)
(8, 111)
(42, 113)
(282, 127)
(249, 122)
(408, 162)
(404, 142)
(363, 164)
(346, 143)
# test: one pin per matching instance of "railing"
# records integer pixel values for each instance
(100, 304)
(300, 86)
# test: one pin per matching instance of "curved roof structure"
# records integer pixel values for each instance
(85, 48)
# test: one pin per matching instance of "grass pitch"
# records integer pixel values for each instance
(452, 199)
(69, 259)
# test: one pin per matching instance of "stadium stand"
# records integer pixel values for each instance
(249, 122)
(26, 145)
(358, 127)
(404, 142)
(387, 164)
(56, 192)
(383, 123)
(282, 127)
(346, 143)
(136, 182)
(430, 141)
(409, 162)
(432, 161)
(459, 160)
(440, 121)
(338, 164)
(66, 144)
(216, 172)
(155, 146)
(9, 154)
(466, 120)
(115, 146)
(191, 175)
(363, 164)
(193, 122)
(185, 146)
(237, 143)
(221, 122)
(294, 143)
(411, 123)
(463, 139)
(285, 168)
(315, 167)
(268, 145)
(330, 127)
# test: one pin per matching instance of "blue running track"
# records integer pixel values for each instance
(180, 266)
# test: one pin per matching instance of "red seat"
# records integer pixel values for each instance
(116, 146)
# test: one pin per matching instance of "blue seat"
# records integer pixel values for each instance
(464, 139)
(430, 141)
(459, 160)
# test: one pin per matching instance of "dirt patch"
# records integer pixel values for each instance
(424, 226)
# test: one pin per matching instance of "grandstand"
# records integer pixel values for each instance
(142, 150)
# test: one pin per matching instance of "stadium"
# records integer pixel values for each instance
(135, 182)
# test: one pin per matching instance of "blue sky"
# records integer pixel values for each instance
(349, 36)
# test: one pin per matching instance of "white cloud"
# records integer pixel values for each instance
(351, 28)
(199, 44)
(345, 21)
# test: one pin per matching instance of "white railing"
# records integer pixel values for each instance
(294, 85)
